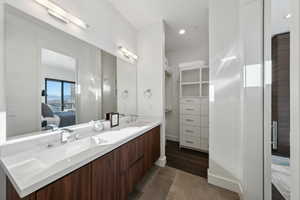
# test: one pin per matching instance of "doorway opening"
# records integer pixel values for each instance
(279, 166)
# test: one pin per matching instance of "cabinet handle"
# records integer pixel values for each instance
(189, 120)
(189, 131)
(189, 109)
(189, 142)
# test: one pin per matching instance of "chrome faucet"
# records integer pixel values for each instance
(66, 134)
(133, 117)
(53, 127)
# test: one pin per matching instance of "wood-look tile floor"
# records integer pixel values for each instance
(173, 184)
(190, 161)
(276, 194)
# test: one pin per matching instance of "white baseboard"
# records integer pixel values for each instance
(172, 138)
(226, 183)
(161, 162)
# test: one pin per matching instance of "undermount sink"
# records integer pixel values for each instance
(49, 156)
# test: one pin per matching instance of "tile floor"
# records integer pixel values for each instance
(172, 184)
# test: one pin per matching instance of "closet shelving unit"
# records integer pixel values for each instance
(194, 92)
(194, 81)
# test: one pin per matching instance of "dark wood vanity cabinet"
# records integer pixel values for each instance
(11, 193)
(75, 186)
(152, 148)
(155, 144)
(104, 177)
(110, 177)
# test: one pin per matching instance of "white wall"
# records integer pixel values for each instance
(174, 59)
(2, 82)
(280, 9)
(225, 141)
(127, 80)
(252, 33)
(236, 96)
(150, 71)
(2, 99)
(187, 55)
(108, 28)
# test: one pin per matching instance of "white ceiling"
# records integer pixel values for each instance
(191, 15)
(280, 9)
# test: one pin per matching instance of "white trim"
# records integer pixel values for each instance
(267, 98)
(295, 103)
(161, 162)
(172, 138)
(226, 183)
(2, 99)
(2, 77)
(189, 64)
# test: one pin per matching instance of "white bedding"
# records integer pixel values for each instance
(281, 176)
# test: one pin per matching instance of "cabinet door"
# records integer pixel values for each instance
(75, 186)
(11, 193)
(132, 154)
(122, 166)
(135, 174)
(104, 178)
(140, 147)
(136, 150)
(155, 144)
(148, 151)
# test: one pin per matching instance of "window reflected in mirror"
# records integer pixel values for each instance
(58, 93)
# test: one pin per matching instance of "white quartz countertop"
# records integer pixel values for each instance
(41, 165)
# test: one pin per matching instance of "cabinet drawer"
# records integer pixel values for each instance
(190, 131)
(192, 120)
(190, 109)
(190, 141)
(190, 101)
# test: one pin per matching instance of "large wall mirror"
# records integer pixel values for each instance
(55, 80)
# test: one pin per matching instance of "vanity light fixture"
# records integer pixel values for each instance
(61, 14)
(55, 14)
(128, 54)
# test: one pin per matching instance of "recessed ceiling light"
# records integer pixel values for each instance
(182, 31)
(288, 16)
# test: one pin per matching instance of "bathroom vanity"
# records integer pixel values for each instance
(108, 170)
(53, 150)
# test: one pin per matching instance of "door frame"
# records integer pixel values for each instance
(267, 34)
(294, 99)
